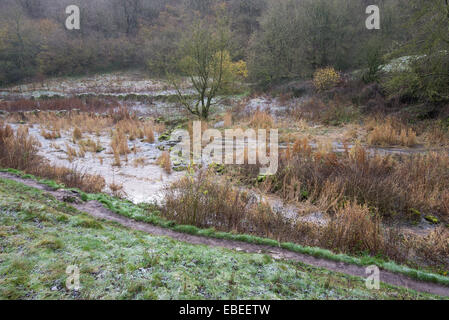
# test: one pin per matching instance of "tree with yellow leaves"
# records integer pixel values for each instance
(208, 65)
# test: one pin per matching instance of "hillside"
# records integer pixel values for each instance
(40, 236)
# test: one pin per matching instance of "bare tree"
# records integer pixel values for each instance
(131, 9)
(205, 63)
(32, 8)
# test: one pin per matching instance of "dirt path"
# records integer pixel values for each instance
(96, 209)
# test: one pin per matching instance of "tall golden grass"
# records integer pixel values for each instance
(227, 119)
(19, 150)
(385, 134)
(261, 120)
(119, 143)
(165, 162)
(355, 229)
(396, 186)
(208, 201)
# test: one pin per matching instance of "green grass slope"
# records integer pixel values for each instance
(40, 237)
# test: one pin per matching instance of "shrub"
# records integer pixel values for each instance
(355, 229)
(424, 78)
(18, 150)
(326, 78)
(205, 202)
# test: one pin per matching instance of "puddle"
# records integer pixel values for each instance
(141, 183)
(145, 183)
(268, 104)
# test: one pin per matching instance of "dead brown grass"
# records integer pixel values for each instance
(148, 133)
(50, 135)
(355, 229)
(90, 145)
(77, 134)
(433, 248)
(396, 186)
(227, 119)
(90, 123)
(261, 120)
(435, 133)
(386, 134)
(117, 190)
(71, 177)
(71, 152)
(119, 143)
(117, 161)
(164, 162)
(19, 151)
(205, 202)
(208, 201)
(333, 112)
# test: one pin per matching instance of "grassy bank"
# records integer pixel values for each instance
(41, 236)
(146, 213)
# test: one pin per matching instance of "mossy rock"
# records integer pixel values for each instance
(164, 137)
(415, 214)
(218, 168)
(432, 219)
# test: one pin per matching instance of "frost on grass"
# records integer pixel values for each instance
(42, 236)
